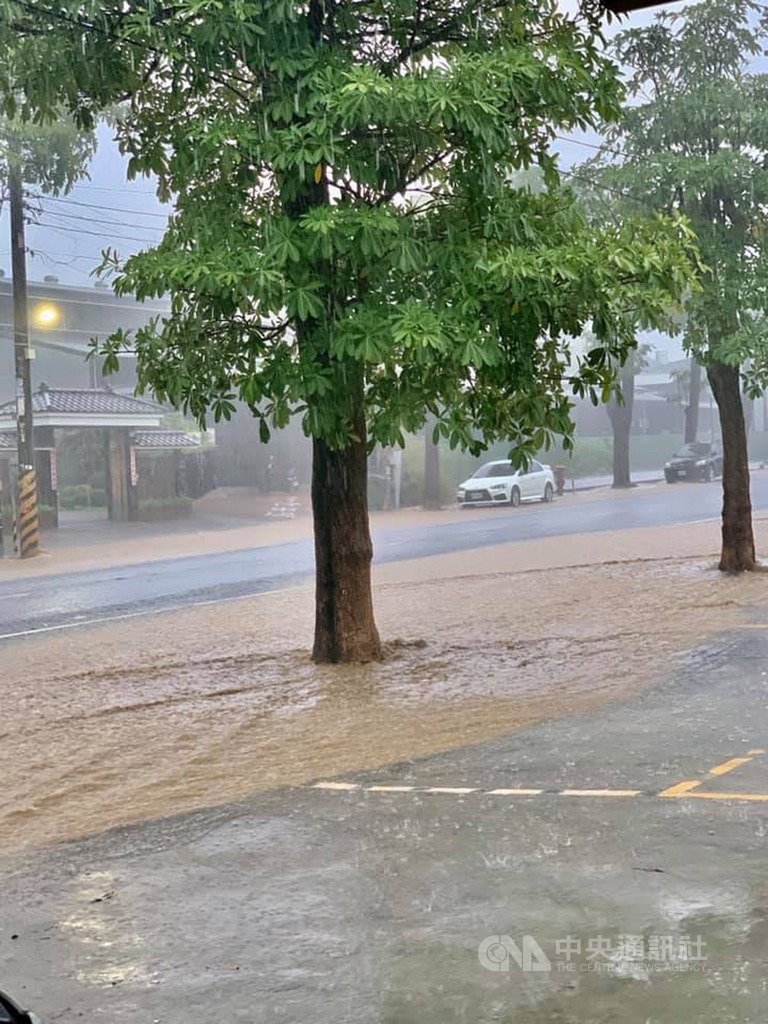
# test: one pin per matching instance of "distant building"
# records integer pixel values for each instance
(73, 403)
(62, 320)
(659, 406)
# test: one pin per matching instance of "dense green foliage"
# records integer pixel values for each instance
(49, 156)
(694, 139)
(343, 174)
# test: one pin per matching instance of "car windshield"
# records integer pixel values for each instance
(695, 450)
(493, 469)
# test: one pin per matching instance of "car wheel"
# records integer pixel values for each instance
(549, 493)
(514, 498)
(669, 479)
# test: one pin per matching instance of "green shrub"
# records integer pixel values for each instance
(98, 497)
(75, 496)
(178, 502)
(155, 509)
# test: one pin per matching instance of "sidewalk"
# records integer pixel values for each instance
(587, 483)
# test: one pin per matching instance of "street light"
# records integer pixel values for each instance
(47, 314)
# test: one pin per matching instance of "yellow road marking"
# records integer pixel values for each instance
(514, 792)
(680, 788)
(728, 766)
(600, 792)
(729, 796)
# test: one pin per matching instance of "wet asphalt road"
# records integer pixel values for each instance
(368, 907)
(57, 601)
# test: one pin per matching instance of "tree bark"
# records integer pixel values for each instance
(345, 630)
(738, 546)
(431, 467)
(620, 416)
(692, 409)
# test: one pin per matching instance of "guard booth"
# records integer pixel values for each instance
(115, 416)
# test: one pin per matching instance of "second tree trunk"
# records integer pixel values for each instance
(738, 548)
(620, 416)
(431, 466)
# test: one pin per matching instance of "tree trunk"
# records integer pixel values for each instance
(738, 550)
(345, 629)
(692, 409)
(431, 467)
(620, 416)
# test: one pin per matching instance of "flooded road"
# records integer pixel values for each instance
(31, 604)
(356, 907)
(151, 717)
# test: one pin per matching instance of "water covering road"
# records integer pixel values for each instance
(55, 602)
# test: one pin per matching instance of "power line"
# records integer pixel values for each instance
(96, 206)
(98, 220)
(609, 188)
(115, 188)
(47, 254)
(590, 145)
(96, 234)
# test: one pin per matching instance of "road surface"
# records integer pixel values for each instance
(387, 897)
(55, 602)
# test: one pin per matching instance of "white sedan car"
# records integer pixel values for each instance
(497, 483)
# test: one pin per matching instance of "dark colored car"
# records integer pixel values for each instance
(697, 461)
(10, 1013)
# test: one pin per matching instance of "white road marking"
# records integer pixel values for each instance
(600, 792)
(336, 785)
(514, 792)
(7, 597)
(76, 624)
(450, 789)
(389, 789)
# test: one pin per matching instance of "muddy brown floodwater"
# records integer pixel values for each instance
(150, 717)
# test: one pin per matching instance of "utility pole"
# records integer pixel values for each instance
(27, 523)
(431, 466)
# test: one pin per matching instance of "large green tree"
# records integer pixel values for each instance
(347, 244)
(694, 139)
(49, 158)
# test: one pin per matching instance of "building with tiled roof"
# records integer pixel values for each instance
(85, 407)
(158, 439)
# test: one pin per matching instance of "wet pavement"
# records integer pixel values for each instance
(362, 904)
(56, 602)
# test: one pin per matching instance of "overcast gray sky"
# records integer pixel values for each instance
(109, 211)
